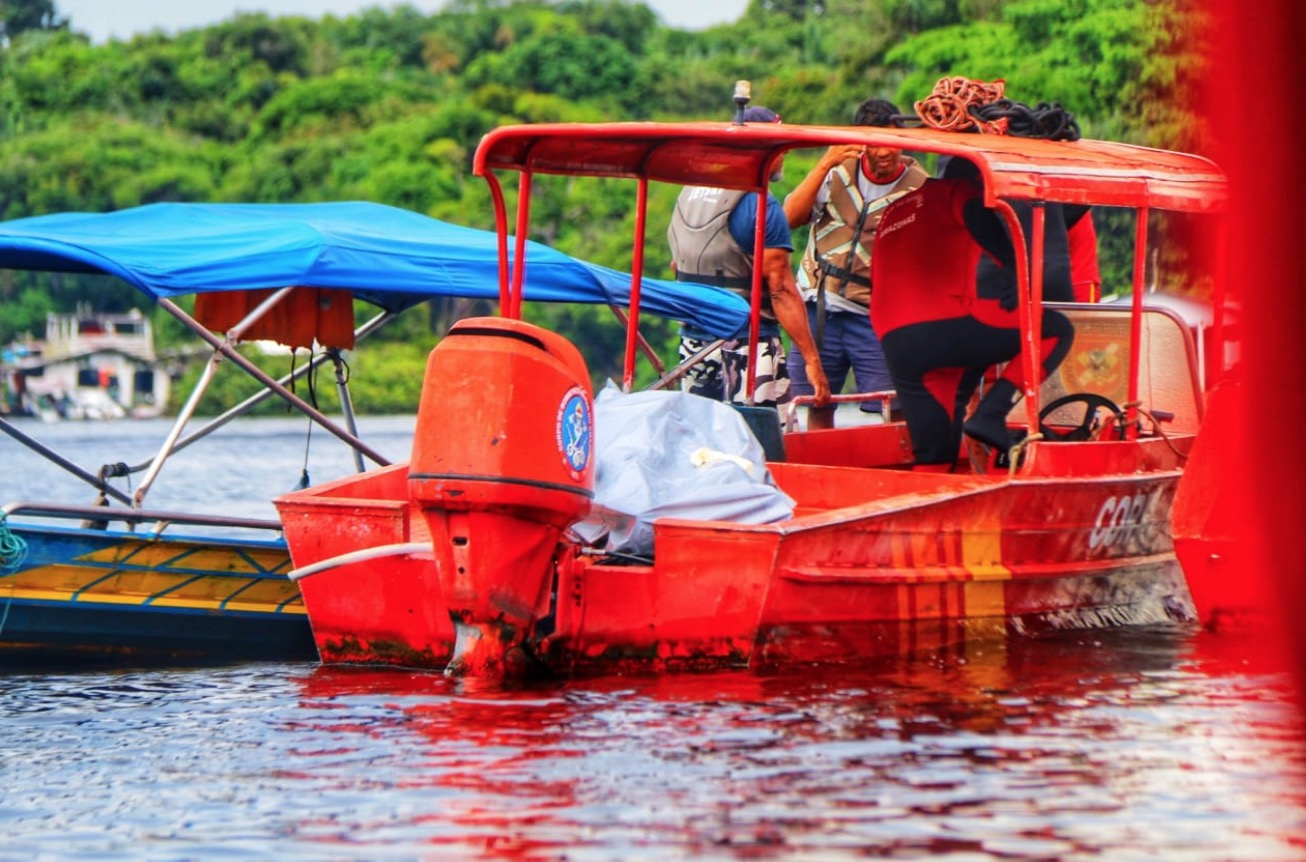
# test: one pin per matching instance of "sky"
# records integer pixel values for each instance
(102, 19)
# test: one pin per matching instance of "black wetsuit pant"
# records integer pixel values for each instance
(937, 364)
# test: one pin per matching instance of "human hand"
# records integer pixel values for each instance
(816, 374)
(839, 154)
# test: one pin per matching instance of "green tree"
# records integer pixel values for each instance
(26, 307)
(20, 16)
(562, 62)
(1088, 55)
(281, 45)
(390, 104)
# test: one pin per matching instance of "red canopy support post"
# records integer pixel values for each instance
(519, 245)
(755, 294)
(636, 276)
(650, 353)
(501, 228)
(1028, 354)
(1136, 321)
(1037, 248)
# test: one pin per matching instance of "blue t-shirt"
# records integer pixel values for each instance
(743, 224)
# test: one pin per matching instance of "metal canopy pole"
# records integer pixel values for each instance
(57, 459)
(261, 376)
(210, 368)
(187, 410)
(680, 370)
(346, 402)
(264, 394)
(234, 334)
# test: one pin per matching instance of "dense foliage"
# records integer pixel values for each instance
(388, 106)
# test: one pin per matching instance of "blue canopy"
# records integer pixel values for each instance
(390, 257)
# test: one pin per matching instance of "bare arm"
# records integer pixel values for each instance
(791, 312)
(799, 203)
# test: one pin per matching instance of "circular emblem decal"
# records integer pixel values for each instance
(574, 434)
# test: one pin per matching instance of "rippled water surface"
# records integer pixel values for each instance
(1151, 744)
(1138, 744)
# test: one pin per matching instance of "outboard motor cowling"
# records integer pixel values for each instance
(502, 463)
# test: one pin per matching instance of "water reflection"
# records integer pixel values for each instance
(1128, 744)
(1059, 749)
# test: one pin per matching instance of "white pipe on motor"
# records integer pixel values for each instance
(358, 557)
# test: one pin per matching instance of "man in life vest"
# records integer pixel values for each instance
(711, 237)
(843, 198)
(939, 330)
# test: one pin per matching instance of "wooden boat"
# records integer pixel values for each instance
(119, 580)
(467, 557)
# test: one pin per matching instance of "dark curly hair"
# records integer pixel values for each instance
(877, 112)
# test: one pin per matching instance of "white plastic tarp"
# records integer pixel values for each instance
(671, 454)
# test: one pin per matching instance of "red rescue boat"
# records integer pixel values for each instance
(469, 558)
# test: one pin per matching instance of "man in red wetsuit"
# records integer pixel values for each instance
(939, 333)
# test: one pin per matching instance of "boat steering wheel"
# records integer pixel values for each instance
(1084, 430)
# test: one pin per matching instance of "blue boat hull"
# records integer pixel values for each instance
(88, 596)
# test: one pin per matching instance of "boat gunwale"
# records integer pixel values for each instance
(974, 485)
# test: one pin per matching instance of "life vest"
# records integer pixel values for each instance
(838, 255)
(701, 245)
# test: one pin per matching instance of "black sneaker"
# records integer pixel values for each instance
(989, 430)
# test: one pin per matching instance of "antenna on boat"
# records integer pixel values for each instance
(743, 95)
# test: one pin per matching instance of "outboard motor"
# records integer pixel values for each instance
(502, 463)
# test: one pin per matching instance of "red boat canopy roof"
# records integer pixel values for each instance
(740, 156)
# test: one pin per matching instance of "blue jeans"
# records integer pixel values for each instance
(847, 344)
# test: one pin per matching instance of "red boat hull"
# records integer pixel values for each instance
(384, 611)
(875, 559)
(922, 568)
(874, 562)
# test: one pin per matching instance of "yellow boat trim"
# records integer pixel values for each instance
(167, 574)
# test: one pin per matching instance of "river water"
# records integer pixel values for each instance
(1160, 743)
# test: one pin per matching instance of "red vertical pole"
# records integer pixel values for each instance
(1136, 319)
(755, 296)
(1028, 352)
(1036, 309)
(501, 228)
(636, 275)
(519, 246)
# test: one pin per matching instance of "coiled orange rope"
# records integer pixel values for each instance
(948, 107)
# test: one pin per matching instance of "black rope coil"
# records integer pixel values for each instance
(960, 104)
(1048, 120)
